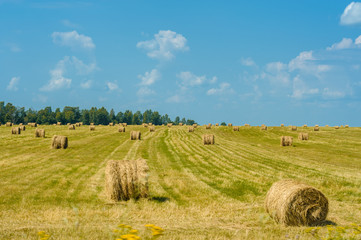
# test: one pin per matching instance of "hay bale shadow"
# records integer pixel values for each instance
(324, 223)
(159, 199)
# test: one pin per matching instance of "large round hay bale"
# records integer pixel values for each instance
(264, 127)
(337, 127)
(121, 129)
(180, 124)
(71, 127)
(145, 125)
(58, 123)
(208, 139)
(296, 204)
(125, 124)
(77, 124)
(40, 133)
(22, 127)
(15, 130)
(92, 128)
(151, 129)
(316, 129)
(92, 124)
(236, 128)
(294, 128)
(135, 135)
(59, 142)
(126, 179)
(286, 141)
(303, 136)
(191, 129)
(9, 124)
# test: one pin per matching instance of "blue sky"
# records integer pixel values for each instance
(271, 62)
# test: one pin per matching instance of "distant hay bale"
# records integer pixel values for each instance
(209, 126)
(20, 124)
(294, 128)
(125, 124)
(316, 125)
(296, 204)
(303, 136)
(71, 127)
(121, 129)
(59, 142)
(282, 125)
(32, 124)
(15, 130)
(81, 124)
(58, 123)
(68, 124)
(180, 124)
(150, 124)
(169, 125)
(316, 129)
(286, 141)
(337, 127)
(236, 128)
(151, 129)
(54, 124)
(111, 124)
(208, 139)
(9, 124)
(92, 128)
(145, 125)
(126, 179)
(77, 124)
(39, 133)
(217, 124)
(326, 126)
(264, 127)
(22, 127)
(195, 125)
(190, 129)
(91, 124)
(305, 125)
(230, 124)
(346, 126)
(135, 135)
(247, 125)
(341, 126)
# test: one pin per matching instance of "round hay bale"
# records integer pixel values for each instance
(286, 141)
(71, 127)
(282, 125)
(59, 142)
(230, 124)
(58, 123)
(292, 203)
(294, 128)
(303, 136)
(236, 128)
(92, 128)
(180, 124)
(15, 130)
(150, 124)
(151, 129)
(169, 125)
(217, 124)
(316, 125)
(346, 126)
(111, 124)
(126, 179)
(316, 129)
(125, 124)
(247, 125)
(305, 125)
(22, 127)
(209, 126)
(135, 135)
(39, 133)
(190, 129)
(91, 124)
(195, 125)
(9, 124)
(68, 124)
(208, 139)
(337, 127)
(264, 127)
(121, 129)
(145, 125)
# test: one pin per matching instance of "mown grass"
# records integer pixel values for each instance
(197, 191)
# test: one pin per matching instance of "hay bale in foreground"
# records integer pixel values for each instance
(121, 129)
(40, 133)
(92, 128)
(135, 135)
(316, 129)
(296, 204)
(264, 127)
(286, 141)
(236, 128)
(303, 136)
(15, 130)
(294, 128)
(59, 142)
(126, 179)
(208, 139)
(71, 127)
(151, 129)
(190, 129)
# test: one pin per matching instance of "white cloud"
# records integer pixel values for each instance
(351, 14)
(175, 99)
(300, 89)
(86, 85)
(344, 44)
(73, 39)
(358, 40)
(164, 44)
(327, 93)
(277, 73)
(112, 86)
(13, 84)
(69, 24)
(149, 77)
(301, 60)
(145, 91)
(188, 79)
(81, 67)
(248, 62)
(224, 88)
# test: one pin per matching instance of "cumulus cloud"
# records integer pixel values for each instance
(277, 73)
(188, 79)
(149, 77)
(224, 88)
(112, 86)
(73, 39)
(344, 44)
(307, 63)
(86, 85)
(13, 84)
(351, 14)
(300, 89)
(248, 62)
(175, 99)
(327, 93)
(145, 91)
(164, 45)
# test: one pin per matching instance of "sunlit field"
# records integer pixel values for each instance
(196, 191)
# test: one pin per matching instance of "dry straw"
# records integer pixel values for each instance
(39, 133)
(180, 124)
(169, 125)
(150, 124)
(68, 124)
(236, 128)
(303, 136)
(209, 126)
(111, 124)
(59, 142)
(282, 125)
(286, 141)
(305, 125)
(71, 127)
(316, 125)
(58, 123)
(263, 127)
(22, 127)
(15, 130)
(208, 139)
(195, 125)
(346, 126)
(8, 124)
(247, 125)
(190, 129)
(135, 135)
(151, 129)
(337, 127)
(77, 124)
(145, 125)
(294, 128)
(121, 129)
(316, 129)
(230, 124)
(92, 128)
(296, 204)
(125, 124)
(126, 179)
(91, 124)
(31, 124)
(217, 124)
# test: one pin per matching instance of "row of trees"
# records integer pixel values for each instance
(16, 115)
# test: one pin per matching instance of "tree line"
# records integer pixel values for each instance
(16, 115)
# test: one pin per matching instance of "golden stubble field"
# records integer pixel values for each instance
(196, 191)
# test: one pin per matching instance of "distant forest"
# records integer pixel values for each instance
(16, 115)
